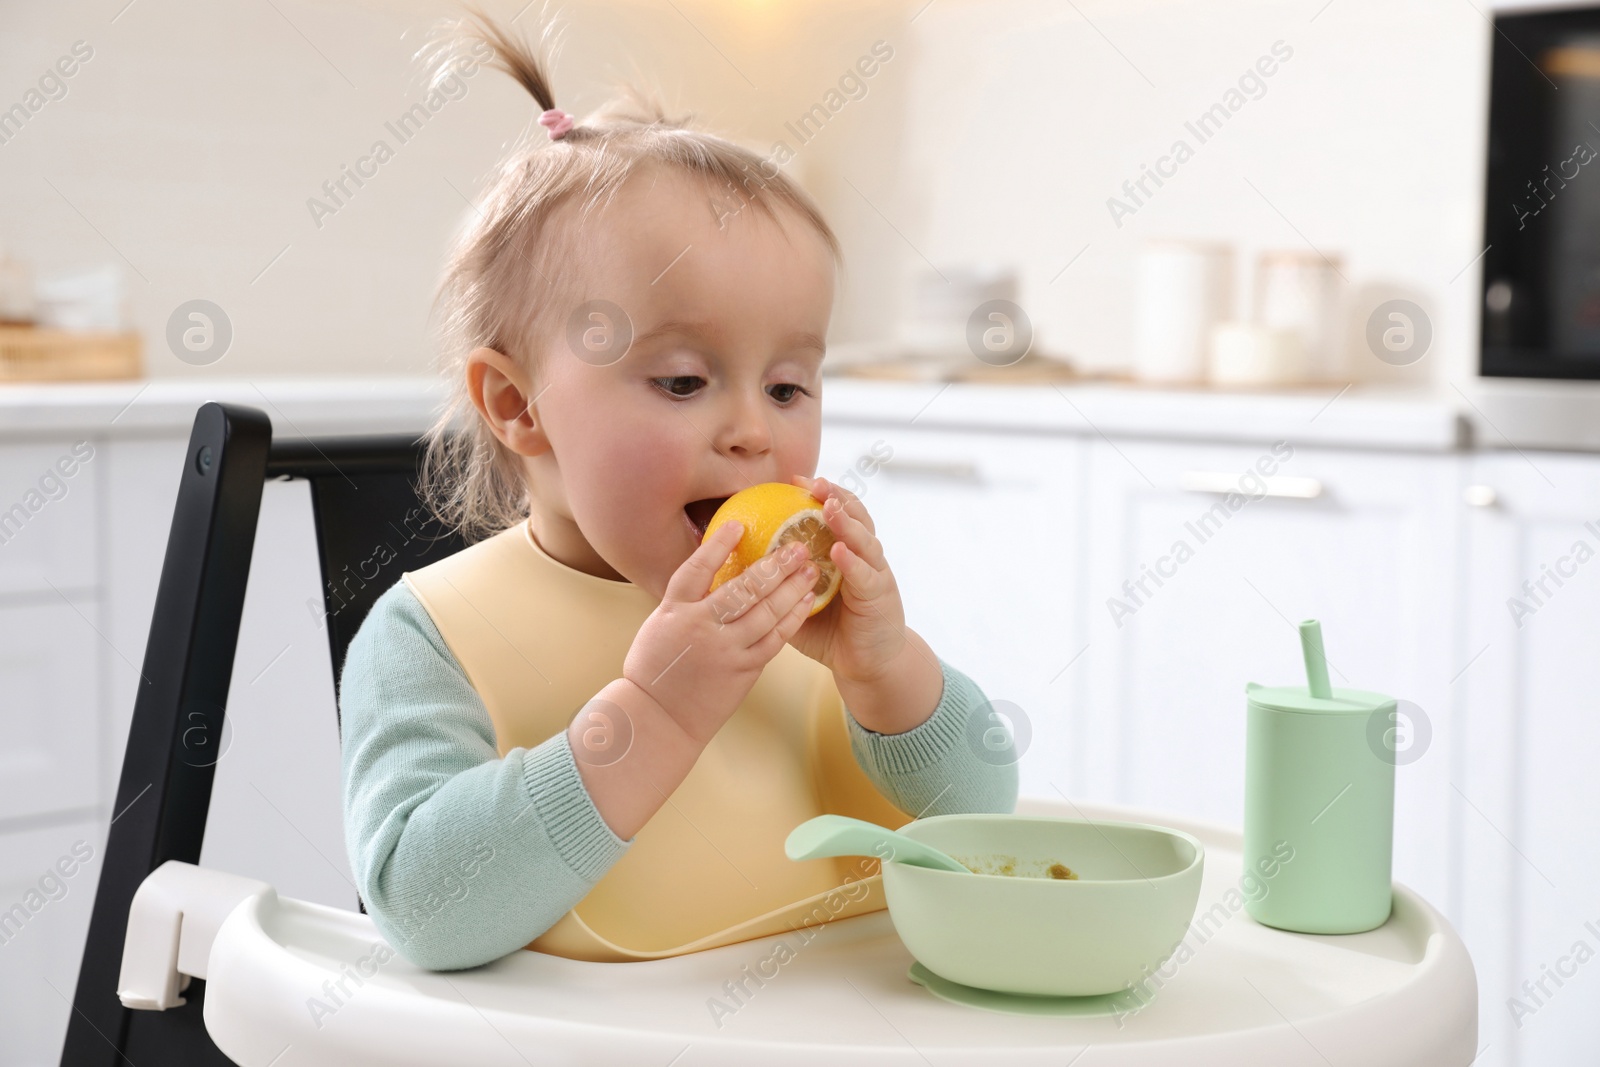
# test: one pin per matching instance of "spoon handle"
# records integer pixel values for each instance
(840, 835)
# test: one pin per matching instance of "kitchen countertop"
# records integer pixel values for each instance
(1348, 418)
(1352, 417)
(298, 407)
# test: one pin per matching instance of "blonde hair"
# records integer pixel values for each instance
(496, 287)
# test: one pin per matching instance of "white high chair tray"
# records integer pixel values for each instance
(1404, 994)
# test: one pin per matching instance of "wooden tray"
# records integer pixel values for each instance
(31, 354)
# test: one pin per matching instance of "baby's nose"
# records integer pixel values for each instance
(746, 430)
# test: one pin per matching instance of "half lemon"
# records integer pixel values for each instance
(774, 514)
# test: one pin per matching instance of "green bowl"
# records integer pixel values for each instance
(1027, 932)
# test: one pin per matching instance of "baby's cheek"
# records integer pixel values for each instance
(636, 489)
(797, 441)
(647, 483)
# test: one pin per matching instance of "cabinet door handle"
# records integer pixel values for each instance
(953, 471)
(1480, 496)
(1281, 486)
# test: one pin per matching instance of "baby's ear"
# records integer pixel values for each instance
(499, 389)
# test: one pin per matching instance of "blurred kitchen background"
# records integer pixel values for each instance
(1073, 336)
(185, 150)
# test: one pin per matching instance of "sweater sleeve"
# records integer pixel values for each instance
(461, 855)
(958, 760)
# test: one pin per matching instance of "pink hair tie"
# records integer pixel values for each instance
(558, 122)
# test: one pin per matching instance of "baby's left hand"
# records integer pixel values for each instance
(863, 630)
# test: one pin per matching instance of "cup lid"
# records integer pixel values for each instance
(1298, 698)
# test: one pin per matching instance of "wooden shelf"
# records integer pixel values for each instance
(31, 354)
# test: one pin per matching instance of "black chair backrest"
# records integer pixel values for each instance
(370, 528)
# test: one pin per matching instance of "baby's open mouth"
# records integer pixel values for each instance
(701, 511)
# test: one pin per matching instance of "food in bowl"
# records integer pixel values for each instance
(1006, 867)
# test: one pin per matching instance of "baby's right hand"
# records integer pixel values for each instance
(700, 652)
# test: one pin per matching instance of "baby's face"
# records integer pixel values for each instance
(720, 390)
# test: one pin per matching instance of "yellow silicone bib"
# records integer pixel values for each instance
(538, 639)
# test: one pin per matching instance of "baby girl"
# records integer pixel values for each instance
(562, 737)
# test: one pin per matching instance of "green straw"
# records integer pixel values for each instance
(1316, 659)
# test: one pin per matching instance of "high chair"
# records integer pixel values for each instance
(362, 492)
(189, 966)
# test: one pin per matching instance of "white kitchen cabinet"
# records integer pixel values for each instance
(49, 509)
(1189, 600)
(48, 876)
(1527, 796)
(276, 812)
(983, 533)
(50, 652)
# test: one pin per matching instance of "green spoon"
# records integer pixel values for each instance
(840, 835)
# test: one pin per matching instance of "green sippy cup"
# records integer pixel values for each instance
(1318, 803)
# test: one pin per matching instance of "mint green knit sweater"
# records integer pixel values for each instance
(463, 855)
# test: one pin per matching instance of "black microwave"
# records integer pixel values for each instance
(1541, 272)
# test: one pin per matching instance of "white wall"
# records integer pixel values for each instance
(186, 150)
(1030, 114)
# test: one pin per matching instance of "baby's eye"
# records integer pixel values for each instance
(791, 388)
(671, 385)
